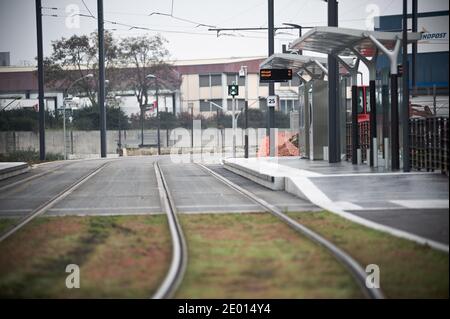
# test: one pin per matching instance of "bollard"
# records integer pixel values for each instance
(325, 153)
(386, 153)
(369, 160)
(375, 152)
(358, 156)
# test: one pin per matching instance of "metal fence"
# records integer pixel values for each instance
(364, 139)
(429, 144)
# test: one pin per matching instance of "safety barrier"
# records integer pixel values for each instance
(364, 139)
(429, 144)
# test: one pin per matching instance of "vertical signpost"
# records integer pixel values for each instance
(40, 56)
(233, 90)
(271, 110)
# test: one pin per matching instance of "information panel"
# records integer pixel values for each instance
(275, 75)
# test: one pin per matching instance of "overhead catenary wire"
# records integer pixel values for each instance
(87, 8)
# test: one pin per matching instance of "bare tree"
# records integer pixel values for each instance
(74, 57)
(143, 55)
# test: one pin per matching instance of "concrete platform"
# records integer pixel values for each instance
(409, 205)
(10, 169)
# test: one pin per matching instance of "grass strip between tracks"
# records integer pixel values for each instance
(407, 269)
(118, 256)
(257, 256)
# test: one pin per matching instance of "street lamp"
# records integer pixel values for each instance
(151, 76)
(65, 94)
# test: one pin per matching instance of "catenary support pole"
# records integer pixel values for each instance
(101, 78)
(40, 56)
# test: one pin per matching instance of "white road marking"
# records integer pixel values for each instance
(316, 196)
(422, 203)
(103, 208)
(347, 205)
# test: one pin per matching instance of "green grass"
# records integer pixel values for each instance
(6, 223)
(119, 257)
(29, 156)
(256, 256)
(407, 269)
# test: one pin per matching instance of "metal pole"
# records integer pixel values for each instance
(142, 124)
(101, 78)
(192, 129)
(434, 100)
(233, 123)
(414, 47)
(64, 130)
(271, 110)
(355, 128)
(300, 31)
(394, 123)
(120, 131)
(405, 100)
(40, 56)
(333, 101)
(246, 114)
(158, 118)
(373, 124)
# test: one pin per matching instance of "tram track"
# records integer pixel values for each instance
(178, 264)
(44, 207)
(345, 259)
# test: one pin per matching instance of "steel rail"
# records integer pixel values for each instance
(345, 259)
(50, 203)
(32, 177)
(178, 264)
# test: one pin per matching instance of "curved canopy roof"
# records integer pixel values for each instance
(298, 63)
(339, 41)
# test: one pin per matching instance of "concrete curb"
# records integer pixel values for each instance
(14, 170)
(304, 188)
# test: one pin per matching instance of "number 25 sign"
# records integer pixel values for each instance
(272, 101)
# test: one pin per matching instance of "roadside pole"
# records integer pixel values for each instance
(233, 124)
(40, 58)
(157, 115)
(64, 130)
(101, 78)
(271, 110)
(246, 146)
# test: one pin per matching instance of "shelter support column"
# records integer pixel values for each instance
(392, 55)
(371, 65)
(353, 70)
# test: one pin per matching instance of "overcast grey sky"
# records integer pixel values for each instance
(186, 40)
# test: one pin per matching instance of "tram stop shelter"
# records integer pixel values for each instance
(313, 102)
(365, 46)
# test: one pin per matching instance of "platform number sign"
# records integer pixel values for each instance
(272, 101)
(233, 89)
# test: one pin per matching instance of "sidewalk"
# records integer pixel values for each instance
(9, 169)
(409, 205)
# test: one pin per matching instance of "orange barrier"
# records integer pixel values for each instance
(285, 145)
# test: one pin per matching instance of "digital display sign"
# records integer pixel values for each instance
(275, 75)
